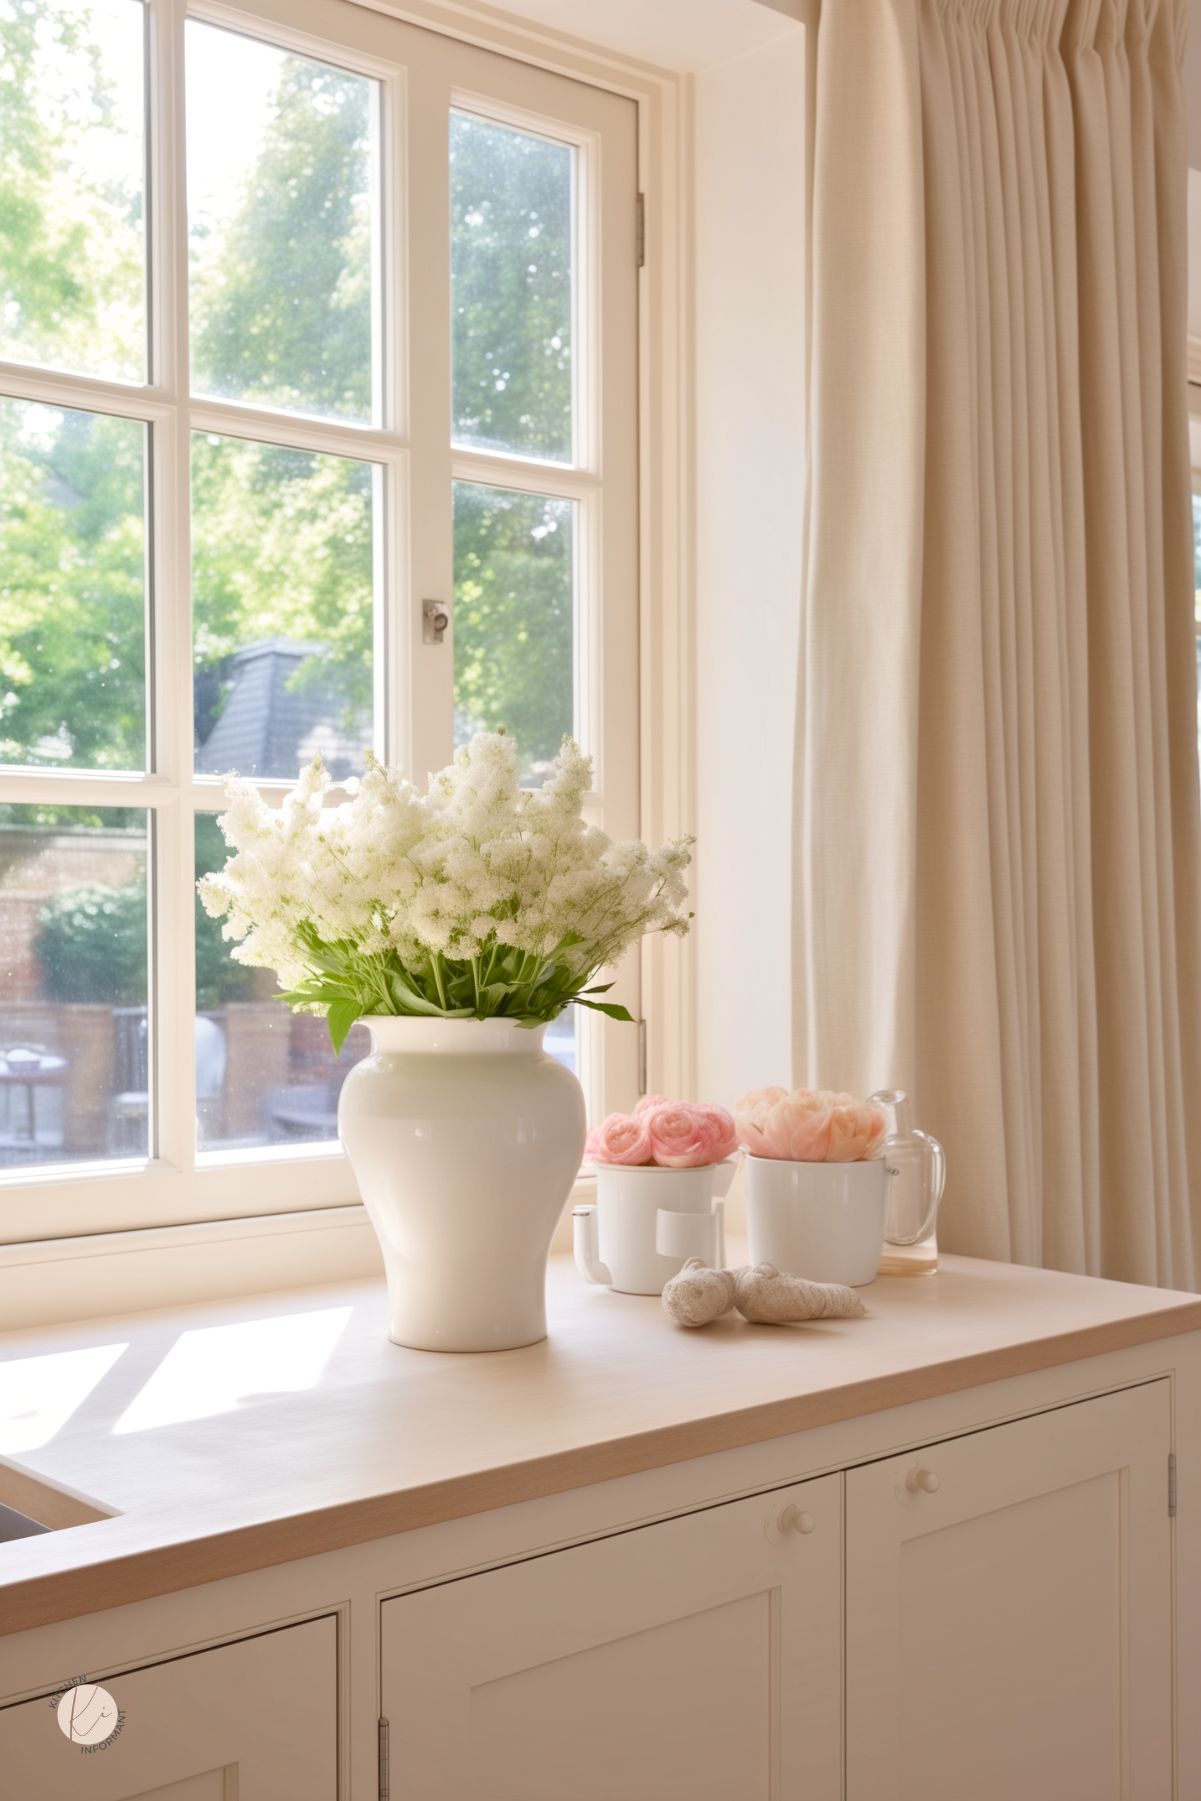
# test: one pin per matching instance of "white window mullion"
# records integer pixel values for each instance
(500, 471)
(173, 1108)
(430, 701)
(236, 419)
(79, 788)
(89, 393)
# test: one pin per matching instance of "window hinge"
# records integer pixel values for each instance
(384, 1788)
(1171, 1485)
(641, 1057)
(640, 230)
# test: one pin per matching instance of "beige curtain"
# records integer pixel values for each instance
(998, 895)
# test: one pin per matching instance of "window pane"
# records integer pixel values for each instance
(562, 1040)
(511, 270)
(281, 153)
(72, 588)
(264, 1075)
(282, 545)
(514, 604)
(72, 242)
(74, 1082)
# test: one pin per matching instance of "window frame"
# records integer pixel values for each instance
(172, 1188)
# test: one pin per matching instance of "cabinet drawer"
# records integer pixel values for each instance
(257, 1719)
(1009, 1611)
(697, 1660)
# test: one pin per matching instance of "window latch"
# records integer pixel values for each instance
(435, 617)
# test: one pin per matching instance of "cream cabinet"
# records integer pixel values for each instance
(256, 1721)
(1009, 1611)
(1008, 1631)
(693, 1659)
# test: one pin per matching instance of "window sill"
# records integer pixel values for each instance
(50, 1281)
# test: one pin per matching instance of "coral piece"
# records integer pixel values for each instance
(768, 1297)
(698, 1294)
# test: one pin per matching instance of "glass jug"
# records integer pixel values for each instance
(917, 1171)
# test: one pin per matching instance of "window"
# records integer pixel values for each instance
(361, 336)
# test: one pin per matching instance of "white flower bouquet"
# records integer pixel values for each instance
(473, 899)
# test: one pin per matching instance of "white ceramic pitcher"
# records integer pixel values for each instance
(646, 1221)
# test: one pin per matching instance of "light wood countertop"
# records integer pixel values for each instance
(229, 1437)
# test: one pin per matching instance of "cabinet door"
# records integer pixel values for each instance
(696, 1660)
(252, 1721)
(1009, 1612)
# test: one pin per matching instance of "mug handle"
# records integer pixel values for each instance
(686, 1235)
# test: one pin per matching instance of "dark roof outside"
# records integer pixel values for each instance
(271, 724)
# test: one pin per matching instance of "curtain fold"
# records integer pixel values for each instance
(998, 863)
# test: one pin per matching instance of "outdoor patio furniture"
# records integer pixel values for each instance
(27, 1067)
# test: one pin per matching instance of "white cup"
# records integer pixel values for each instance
(823, 1221)
(647, 1221)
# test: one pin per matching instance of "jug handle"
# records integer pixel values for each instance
(936, 1178)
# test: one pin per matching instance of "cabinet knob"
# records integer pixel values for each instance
(923, 1482)
(792, 1519)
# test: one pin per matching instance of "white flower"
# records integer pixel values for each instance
(472, 883)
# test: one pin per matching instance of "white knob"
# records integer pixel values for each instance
(924, 1481)
(793, 1520)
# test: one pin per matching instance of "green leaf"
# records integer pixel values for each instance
(341, 1016)
(408, 1000)
(611, 1009)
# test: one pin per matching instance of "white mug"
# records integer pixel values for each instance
(823, 1221)
(647, 1221)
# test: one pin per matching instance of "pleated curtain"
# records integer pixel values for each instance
(998, 862)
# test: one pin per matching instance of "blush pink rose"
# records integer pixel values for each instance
(647, 1102)
(856, 1128)
(685, 1137)
(808, 1126)
(797, 1128)
(723, 1126)
(621, 1138)
(749, 1114)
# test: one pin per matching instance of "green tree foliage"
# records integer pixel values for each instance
(281, 300)
(511, 239)
(72, 607)
(91, 942)
(70, 220)
(510, 202)
(513, 619)
(91, 945)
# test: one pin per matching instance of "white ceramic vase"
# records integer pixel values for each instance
(465, 1138)
(823, 1221)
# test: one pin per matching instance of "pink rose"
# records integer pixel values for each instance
(621, 1138)
(749, 1114)
(647, 1102)
(808, 1126)
(723, 1125)
(686, 1137)
(772, 1122)
(798, 1128)
(856, 1128)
